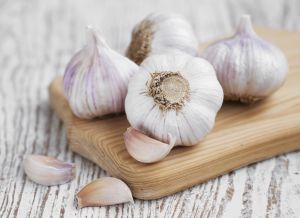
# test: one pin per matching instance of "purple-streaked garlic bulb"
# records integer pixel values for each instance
(248, 67)
(95, 80)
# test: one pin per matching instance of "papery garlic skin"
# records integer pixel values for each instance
(95, 80)
(197, 88)
(160, 34)
(102, 192)
(248, 67)
(48, 171)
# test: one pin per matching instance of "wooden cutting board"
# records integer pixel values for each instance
(242, 135)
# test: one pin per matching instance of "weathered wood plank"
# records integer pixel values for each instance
(37, 38)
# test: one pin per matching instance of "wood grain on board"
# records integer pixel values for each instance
(242, 135)
(38, 38)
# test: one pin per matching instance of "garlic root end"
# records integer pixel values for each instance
(244, 100)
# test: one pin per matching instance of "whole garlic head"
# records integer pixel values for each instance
(174, 94)
(248, 67)
(95, 80)
(160, 34)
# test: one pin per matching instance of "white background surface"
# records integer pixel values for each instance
(37, 38)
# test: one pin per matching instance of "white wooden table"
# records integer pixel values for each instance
(37, 38)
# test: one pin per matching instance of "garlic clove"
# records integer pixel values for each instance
(145, 149)
(160, 34)
(48, 170)
(102, 192)
(248, 67)
(96, 78)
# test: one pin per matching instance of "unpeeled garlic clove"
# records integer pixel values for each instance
(146, 149)
(96, 78)
(102, 192)
(248, 67)
(48, 170)
(160, 34)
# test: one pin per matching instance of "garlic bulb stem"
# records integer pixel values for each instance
(91, 39)
(245, 26)
(94, 39)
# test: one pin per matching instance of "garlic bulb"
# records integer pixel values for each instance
(174, 94)
(95, 81)
(159, 34)
(248, 68)
(102, 192)
(48, 170)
